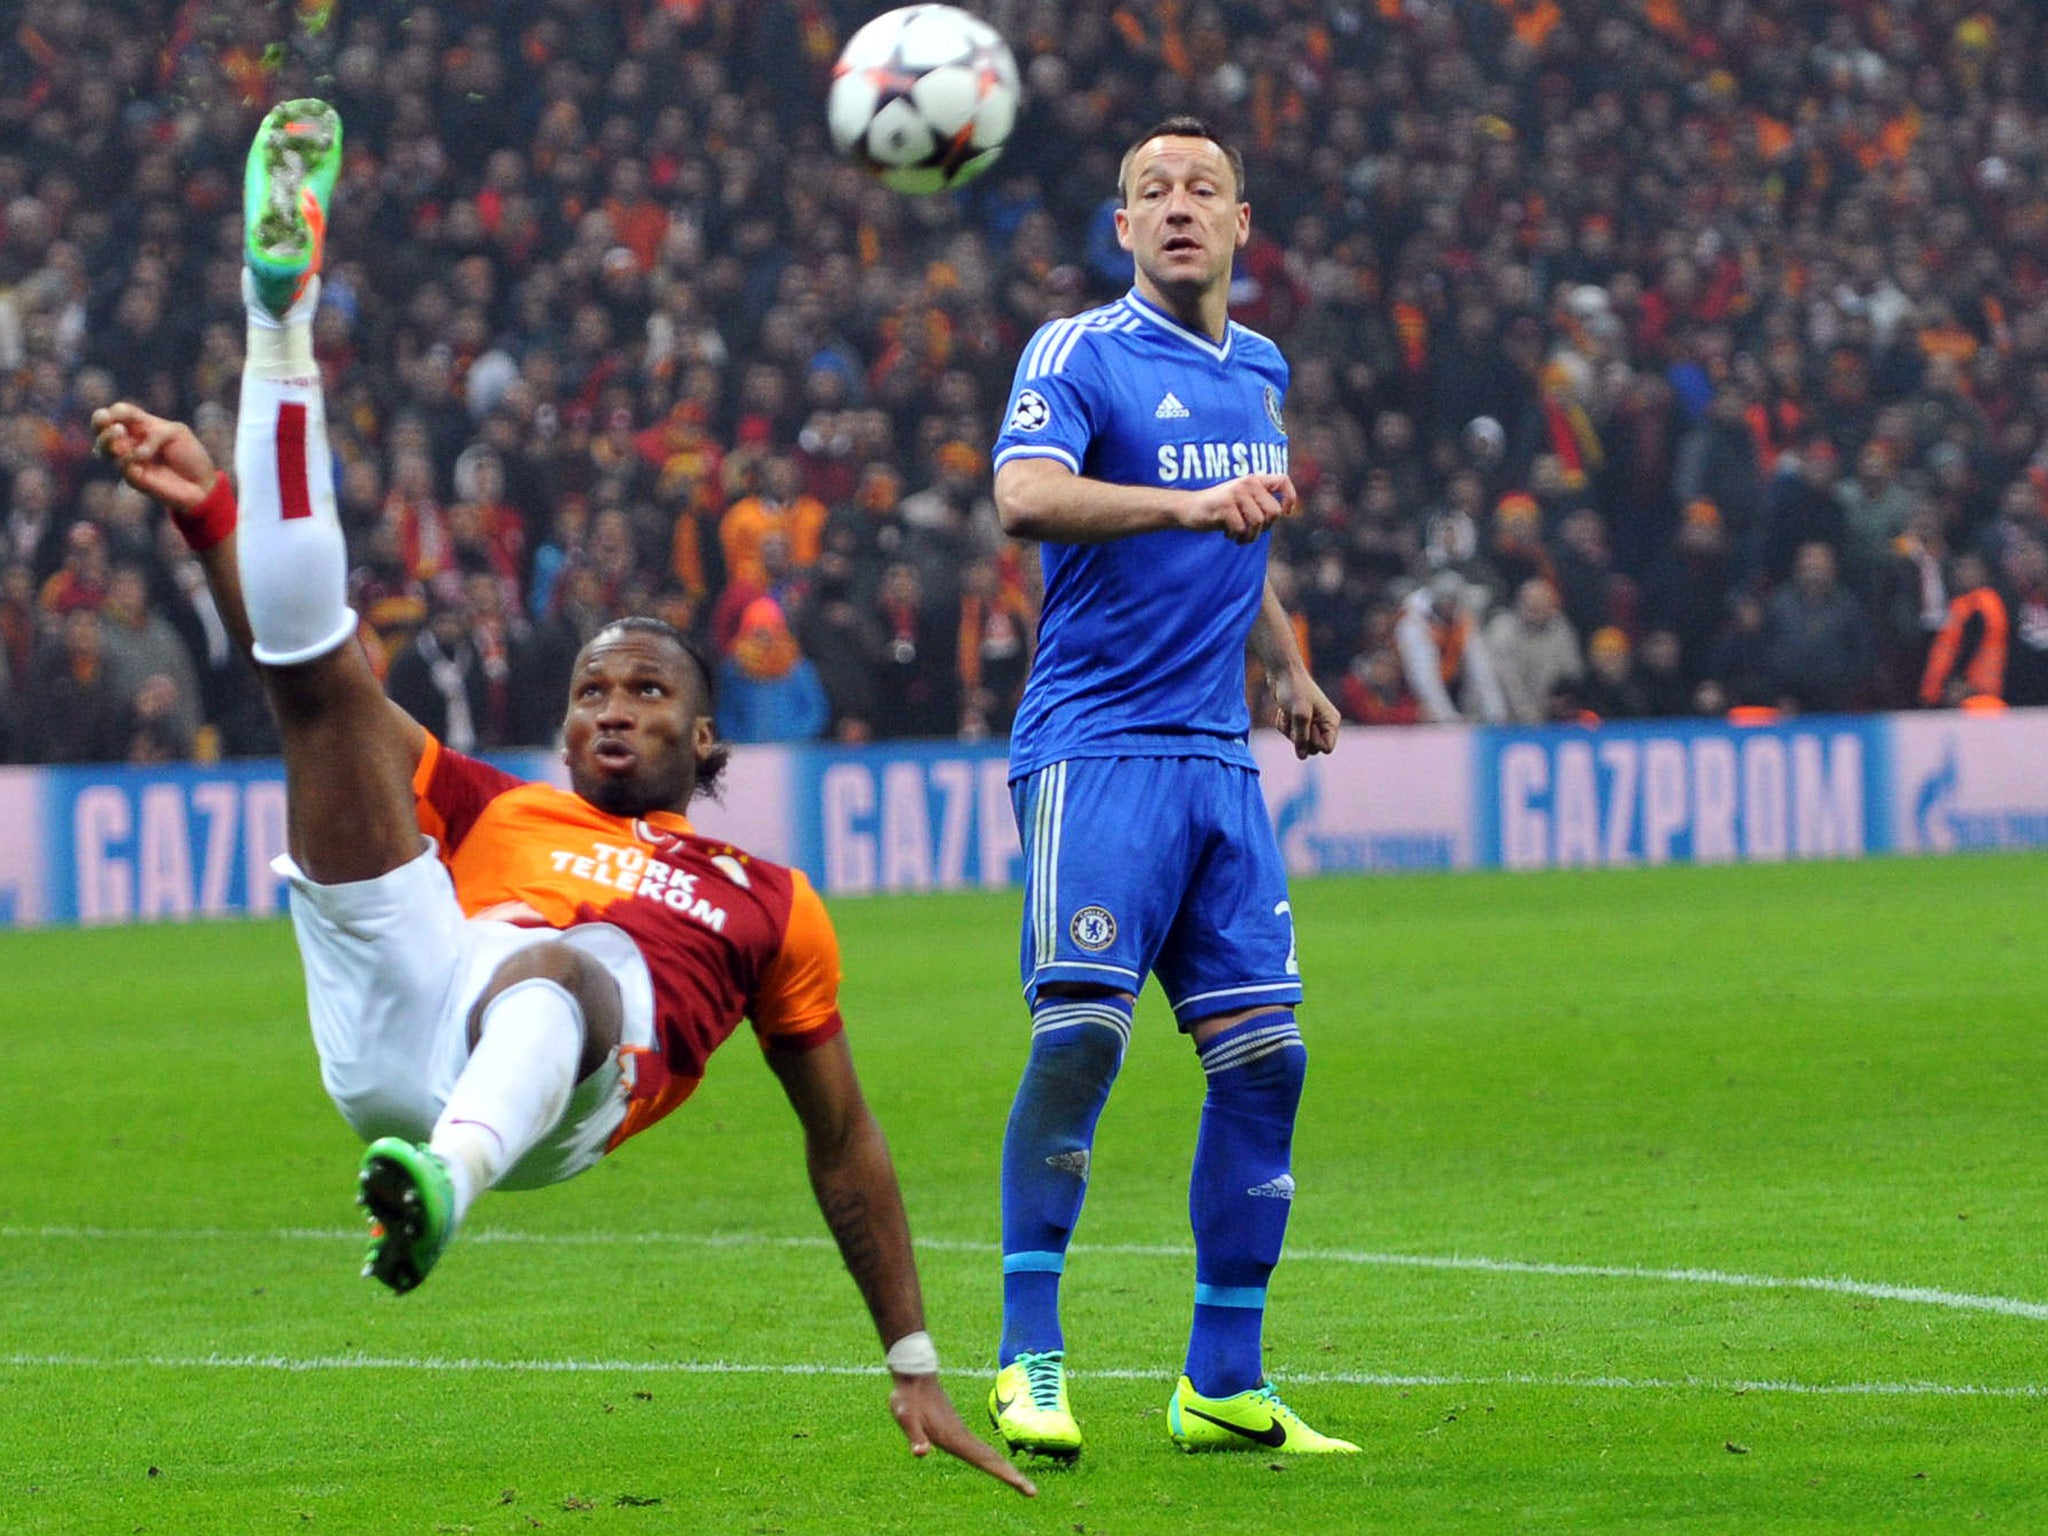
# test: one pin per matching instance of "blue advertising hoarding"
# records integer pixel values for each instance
(124, 845)
(24, 882)
(118, 844)
(1674, 791)
(905, 818)
(135, 845)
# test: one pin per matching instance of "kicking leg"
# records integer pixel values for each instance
(348, 752)
(278, 566)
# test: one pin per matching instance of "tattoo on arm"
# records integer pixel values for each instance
(846, 1213)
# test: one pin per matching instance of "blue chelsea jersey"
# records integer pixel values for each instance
(1141, 645)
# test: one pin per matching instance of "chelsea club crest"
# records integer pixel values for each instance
(1093, 929)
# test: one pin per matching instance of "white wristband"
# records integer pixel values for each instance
(914, 1355)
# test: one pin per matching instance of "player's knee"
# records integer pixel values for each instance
(1260, 1053)
(1081, 1031)
(1290, 1067)
(1087, 1057)
(586, 981)
(1273, 1081)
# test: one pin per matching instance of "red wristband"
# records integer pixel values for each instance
(212, 520)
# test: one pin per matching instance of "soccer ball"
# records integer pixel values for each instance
(923, 97)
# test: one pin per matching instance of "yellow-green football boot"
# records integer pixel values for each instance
(1029, 1406)
(1249, 1421)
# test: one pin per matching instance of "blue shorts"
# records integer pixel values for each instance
(1160, 865)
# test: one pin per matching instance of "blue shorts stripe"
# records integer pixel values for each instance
(1034, 835)
(1034, 1263)
(1246, 1296)
(1052, 862)
(1048, 795)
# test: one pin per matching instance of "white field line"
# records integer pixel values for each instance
(469, 1365)
(1923, 1295)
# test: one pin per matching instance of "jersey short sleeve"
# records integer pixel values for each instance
(1053, 402)
(450, 791)
(796, 1006)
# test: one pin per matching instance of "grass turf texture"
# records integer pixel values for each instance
(1812, 1071)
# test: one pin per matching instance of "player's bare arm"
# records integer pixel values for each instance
(1305, 716)
(855, 1184)
(1040, 498)
(165, 461)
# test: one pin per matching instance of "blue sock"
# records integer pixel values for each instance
(1240, 1194)
(1077, 1044)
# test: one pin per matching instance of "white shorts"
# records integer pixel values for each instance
(393, 969)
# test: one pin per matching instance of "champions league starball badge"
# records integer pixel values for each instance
(1032, 413)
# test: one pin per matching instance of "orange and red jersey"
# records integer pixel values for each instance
(726, 936)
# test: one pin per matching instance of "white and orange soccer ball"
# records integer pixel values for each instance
(924, 97)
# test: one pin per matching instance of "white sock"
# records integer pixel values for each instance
(514, 1088)
(280, 349)
(288, 536)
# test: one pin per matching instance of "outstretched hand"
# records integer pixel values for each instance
(928, 1418)
(160, 458)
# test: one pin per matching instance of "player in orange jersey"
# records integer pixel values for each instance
(505, 979)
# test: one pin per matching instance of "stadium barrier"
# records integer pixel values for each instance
(118, 845)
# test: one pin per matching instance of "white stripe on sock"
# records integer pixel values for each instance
(1250, 1047)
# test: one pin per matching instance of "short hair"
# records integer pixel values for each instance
(710, 767)
(1181, 127)
(647, 624)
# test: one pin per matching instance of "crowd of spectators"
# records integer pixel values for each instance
(1667, 356)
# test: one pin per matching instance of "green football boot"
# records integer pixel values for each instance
(1249, 1421)
(1029, 1406)
(286, 186)
(411, 1202)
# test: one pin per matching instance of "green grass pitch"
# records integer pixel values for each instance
(1657, 1200)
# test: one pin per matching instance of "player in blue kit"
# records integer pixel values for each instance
(1145, 448)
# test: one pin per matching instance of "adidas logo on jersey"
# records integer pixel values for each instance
(1170, 409)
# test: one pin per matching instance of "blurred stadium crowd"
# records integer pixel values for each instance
(1650, 356)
